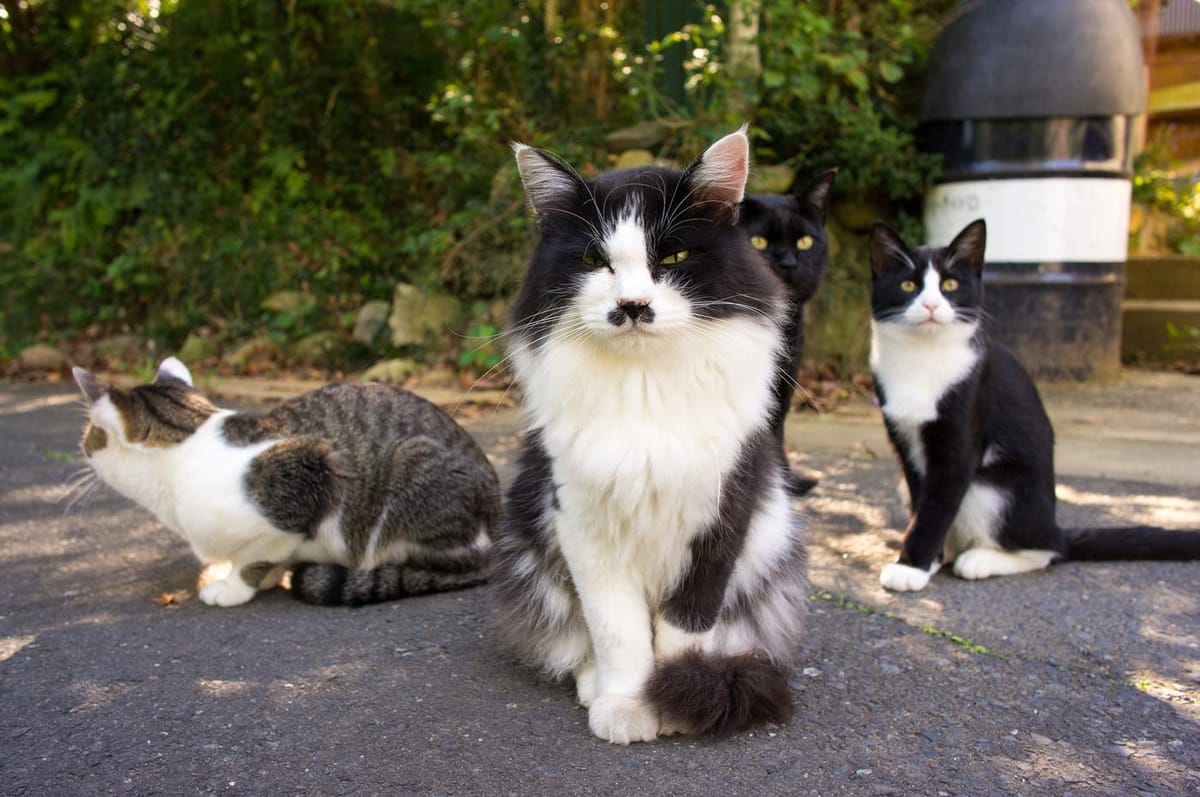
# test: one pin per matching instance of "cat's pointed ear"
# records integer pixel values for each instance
(968, 246)
(172, 368)
(91, 386)
(887, 249)
(718, 177)
(818, 194)
(548, 182)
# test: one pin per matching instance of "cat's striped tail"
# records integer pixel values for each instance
(706, 694)
(335, 585)
(1132, 543)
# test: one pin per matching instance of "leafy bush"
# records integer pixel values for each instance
(1162, 187)
(168, 166)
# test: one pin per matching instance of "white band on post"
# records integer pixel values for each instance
(1036, 220)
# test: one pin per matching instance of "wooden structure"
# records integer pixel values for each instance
(1171, 44)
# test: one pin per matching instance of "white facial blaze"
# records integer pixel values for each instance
(626, 247)
(930, 303)
(629, 278)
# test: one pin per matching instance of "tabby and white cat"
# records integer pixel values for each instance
(973, 438)
(367, 492)
(649, 547)
(789, 231)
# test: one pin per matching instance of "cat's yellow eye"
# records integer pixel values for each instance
(758, 242)
(949, 284)
(804, 242)
(908, 286)
(675, 258)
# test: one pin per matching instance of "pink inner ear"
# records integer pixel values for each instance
(723, 170)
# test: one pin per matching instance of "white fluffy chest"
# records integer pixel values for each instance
(641, 440)
(915, 370)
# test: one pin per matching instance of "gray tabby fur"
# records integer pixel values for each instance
(366, 492)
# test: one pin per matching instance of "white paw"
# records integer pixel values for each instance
(974, 564)
(903, 578)
(586, 685)
(227, 592)
(622, 720)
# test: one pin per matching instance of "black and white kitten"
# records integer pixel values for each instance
(366, 492)
(649, 547)
(789, 231)
(970, 430)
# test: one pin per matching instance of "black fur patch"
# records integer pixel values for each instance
(696, 601)
(710, 695)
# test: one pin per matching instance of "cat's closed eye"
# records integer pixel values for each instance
(675, 258)
(758, 242)
(804, 242)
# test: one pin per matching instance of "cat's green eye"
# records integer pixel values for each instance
(594, 261)
(908, 286)
(949, 285)
(758, 242)
(675, 258)
(804, 242)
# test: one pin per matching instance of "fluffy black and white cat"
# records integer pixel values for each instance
(966, 420)
(649, 547)
(789, 231)
(366, 492)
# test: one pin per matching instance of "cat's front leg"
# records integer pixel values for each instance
(899, 577)
(934, 508)
(253, 566)
(618, 621)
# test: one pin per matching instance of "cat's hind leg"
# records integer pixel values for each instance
(973, 542)
(980, 563)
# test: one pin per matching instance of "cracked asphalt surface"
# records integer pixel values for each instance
(1085, 679)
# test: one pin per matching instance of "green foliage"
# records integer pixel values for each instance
(840, 88)
(168, 166)
(1160, 186)
(962, 642)
(1183, 341)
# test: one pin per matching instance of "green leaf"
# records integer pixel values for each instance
(772, 80)
(37, 101)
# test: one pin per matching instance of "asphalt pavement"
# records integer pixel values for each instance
(1083, 680)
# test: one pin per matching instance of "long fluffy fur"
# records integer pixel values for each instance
(702, 694)
(649, 517)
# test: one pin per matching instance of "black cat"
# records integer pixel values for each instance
(972, 435)
(789, 231)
